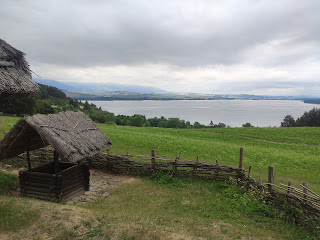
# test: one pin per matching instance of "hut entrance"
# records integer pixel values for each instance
(74, 137)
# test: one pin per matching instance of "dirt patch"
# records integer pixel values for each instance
(101, 184)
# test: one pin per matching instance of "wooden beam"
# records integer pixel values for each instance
(56, 161)
(28, 158)
(23, 130)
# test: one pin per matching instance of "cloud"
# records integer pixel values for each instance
(177, 45)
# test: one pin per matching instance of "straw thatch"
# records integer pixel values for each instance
(15, 76)
(72, 134)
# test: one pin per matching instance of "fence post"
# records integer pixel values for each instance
(241, 158)
(195, 166)
(153, 158)
(289, 183)
(270, 178)
(175, 165)
(305, 191)
(249, 171)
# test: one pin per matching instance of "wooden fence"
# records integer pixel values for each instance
(304, 199)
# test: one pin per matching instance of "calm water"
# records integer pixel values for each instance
(262, 113)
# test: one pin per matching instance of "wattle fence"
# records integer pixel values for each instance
(304, 199)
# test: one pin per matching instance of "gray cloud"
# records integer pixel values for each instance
(88, 33)
(71, 35)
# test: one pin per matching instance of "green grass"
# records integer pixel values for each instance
(16, 214)
(197, 209)
(6, 123)
(8, 183)
(287, 149)
(162, 207)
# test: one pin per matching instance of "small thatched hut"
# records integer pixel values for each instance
(73, 136)
(15, 75)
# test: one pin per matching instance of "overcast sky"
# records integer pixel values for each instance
(215, 46)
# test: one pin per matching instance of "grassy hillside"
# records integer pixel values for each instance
(163, 207)
(294, 152)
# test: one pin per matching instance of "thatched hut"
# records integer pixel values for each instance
(74, 138)
(15, 75)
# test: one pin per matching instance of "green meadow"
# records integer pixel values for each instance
(294, 152)
(165, 207)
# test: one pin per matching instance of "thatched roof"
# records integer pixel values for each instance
(72, 134)
(15, 76)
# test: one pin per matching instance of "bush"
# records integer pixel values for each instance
(247, 125)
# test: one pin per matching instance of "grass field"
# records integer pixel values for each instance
(163, 207)
(294, 152)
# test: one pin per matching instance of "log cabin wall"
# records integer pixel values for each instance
(42, 184)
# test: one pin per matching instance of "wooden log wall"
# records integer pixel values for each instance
(55, 187)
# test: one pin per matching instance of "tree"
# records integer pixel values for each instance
(247, 125)
(197, 125)
(288, 121)
(86, 106)
(136, 120)
(309, 119)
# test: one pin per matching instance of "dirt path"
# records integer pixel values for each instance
(101, 183)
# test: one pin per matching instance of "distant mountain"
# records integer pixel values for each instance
(62, 86)
(98, 87)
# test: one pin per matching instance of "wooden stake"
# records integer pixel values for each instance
(153, 156)
(270, 178)
(241, 158)
(289, 187)
(28, 158)
(249, 171)
(56, 161)
(305, 191)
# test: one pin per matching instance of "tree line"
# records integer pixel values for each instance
(308, 119)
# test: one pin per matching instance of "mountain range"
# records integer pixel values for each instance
(94, 87)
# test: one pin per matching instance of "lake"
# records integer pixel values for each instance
(262, 113)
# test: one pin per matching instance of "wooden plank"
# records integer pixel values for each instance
(22, 131)
(72, 194)
(28, 158)
(66, 171)
(47, 198)
(38, 189)
(26, 192)
(71, 182)
(56, 161)
(37, 184)
(73, 186)
(48, 175)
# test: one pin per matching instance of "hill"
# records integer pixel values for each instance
(97, 87)
(164, 207)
